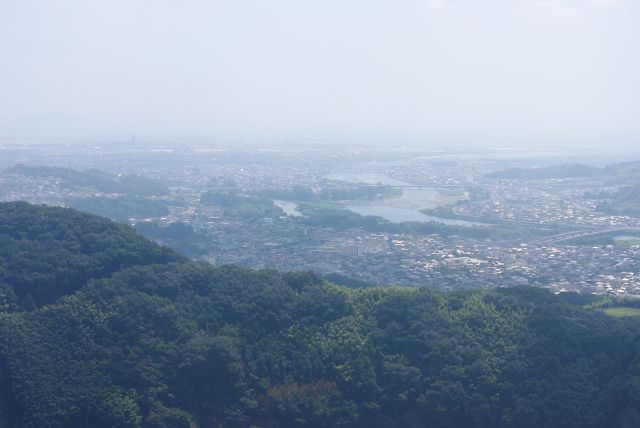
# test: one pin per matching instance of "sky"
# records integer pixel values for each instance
(429, 72)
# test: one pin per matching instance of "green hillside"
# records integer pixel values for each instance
(626, 201)
(128, 334)
(614, 174)
(48, 252)
(94, 179)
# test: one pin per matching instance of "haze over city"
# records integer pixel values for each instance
(319, 213)
(425, 72)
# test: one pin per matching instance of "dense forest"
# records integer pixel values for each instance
(102, 328)
(179, 236)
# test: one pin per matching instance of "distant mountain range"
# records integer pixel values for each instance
(620, 173)
(95, 179)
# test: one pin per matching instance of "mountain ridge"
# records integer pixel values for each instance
(159, 341)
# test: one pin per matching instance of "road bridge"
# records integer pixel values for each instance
(569, 236)
(414, 186)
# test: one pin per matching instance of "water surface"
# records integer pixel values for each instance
(289, 207)
(403, 208)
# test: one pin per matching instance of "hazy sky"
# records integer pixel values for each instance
(503, 72)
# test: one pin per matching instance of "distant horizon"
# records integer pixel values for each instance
(436, 72)
(275, 143)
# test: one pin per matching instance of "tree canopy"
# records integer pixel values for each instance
(144, 338)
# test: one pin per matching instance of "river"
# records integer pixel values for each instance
(403, 208)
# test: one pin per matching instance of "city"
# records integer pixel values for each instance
(443, 218)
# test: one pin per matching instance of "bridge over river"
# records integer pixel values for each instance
(415, 186)
(578, 234)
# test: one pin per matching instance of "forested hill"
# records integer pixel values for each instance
(614, 174)
(94, 179)
(625, 201)
(151, 340)
(48, 252)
